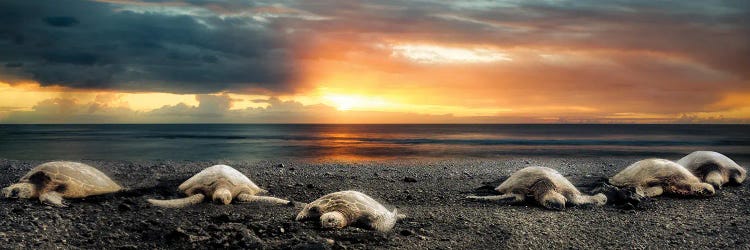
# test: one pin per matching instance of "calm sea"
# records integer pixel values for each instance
(274, 141)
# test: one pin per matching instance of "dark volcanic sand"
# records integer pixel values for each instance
(438, 215)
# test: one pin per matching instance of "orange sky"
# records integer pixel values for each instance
(379, 63)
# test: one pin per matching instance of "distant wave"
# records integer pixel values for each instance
(217, 141)
(519, 142)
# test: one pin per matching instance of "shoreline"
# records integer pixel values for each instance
(438, 215)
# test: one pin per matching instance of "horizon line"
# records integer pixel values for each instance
(293, 123)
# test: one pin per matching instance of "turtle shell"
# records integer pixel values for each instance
(649, 171)
(522, 180)
(702, 162)
(70, 179)
(208, 179)
(352, 204)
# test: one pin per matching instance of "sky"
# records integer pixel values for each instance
(521, 61)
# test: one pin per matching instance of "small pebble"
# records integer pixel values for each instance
(409, 179)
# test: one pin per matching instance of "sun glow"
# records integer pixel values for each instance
(354, 102)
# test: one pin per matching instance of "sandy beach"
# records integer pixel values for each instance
(429, 191)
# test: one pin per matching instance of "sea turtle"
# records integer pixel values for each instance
(53, 181)
(345, 208)
(546, 185)
(713, 168)
(221, 183)
(652, 177)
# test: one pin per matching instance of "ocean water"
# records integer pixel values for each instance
(353, 142)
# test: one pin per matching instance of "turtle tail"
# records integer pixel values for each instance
(178, 203)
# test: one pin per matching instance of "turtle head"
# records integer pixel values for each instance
(333, 220)
(703, 189)
(599, 199)
(19, 190)
(715, 178)
(223, 196)
(552, 200)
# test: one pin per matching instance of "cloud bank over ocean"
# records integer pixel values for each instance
(507, 60)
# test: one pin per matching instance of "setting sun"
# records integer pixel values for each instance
(354, 102)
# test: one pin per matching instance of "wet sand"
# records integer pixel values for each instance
(429, 191)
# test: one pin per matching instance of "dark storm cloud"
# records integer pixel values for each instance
(94, 45)
(13, 65)
(61, 21)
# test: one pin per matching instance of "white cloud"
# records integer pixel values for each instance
(433, 54)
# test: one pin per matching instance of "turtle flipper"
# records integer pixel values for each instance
(503, 197)
(52, 198)
(178, 203)
(254, 198)
(304, 215)
(382, 222)
(308, 212)
(399, 216)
